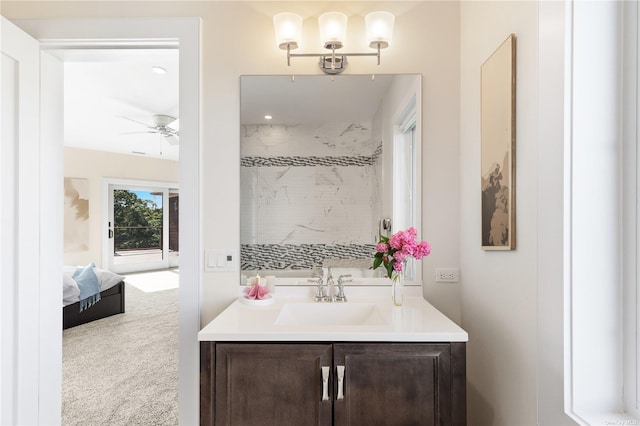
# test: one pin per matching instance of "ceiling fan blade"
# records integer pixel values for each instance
(137, 133)
(136, 121)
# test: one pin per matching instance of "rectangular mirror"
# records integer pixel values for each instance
(328, 164)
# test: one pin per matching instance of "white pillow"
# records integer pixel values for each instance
(107, 278)
(69, 270)
(70, 290)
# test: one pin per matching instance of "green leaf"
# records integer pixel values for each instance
(377, 261)
(389, 269)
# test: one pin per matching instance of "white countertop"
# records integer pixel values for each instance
(415, 321)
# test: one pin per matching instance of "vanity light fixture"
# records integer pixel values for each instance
(333, 30)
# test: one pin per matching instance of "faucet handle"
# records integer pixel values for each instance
(320, 293)
(315, 280)
(341, 279)
(340, 297)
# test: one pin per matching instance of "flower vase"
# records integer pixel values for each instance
(397, 287)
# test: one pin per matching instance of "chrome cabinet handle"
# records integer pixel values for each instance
(340, 374)
(325, 383)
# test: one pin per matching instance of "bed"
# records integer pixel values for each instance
(111, 297)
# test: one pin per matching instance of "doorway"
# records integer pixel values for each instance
(186, 32)
(111, 97)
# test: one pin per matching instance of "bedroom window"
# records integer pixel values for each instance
(631, 212)
(137, 225)
(601, 212)
(142, 227)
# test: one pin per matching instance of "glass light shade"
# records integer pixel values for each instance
(288, 28)
(333, 29)
(379, 28)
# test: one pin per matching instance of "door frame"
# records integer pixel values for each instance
(107, 201)
(28, 303)
(60, 33)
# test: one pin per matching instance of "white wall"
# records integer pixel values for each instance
(499, 290)
(96, 165)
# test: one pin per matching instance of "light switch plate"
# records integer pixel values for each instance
(221, 260)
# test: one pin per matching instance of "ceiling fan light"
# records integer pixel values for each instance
(172, 140)
(163, 120)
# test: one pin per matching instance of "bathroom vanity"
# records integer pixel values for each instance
(362, 362)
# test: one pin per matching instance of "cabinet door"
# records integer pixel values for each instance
(271, 384)
(394, 384)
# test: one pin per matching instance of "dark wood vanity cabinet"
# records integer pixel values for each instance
(382, 384)
(399, 384)
(265, 384)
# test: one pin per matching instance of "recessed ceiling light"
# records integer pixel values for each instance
(268, 117)
(159, 70)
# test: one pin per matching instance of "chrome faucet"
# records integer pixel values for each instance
(326, 292)
(340, 297)
(321, 295)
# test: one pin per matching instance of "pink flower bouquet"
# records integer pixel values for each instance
(392, 252)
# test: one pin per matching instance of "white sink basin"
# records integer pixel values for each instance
(329, 314)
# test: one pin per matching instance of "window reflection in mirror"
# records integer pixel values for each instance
(404, 176)
(337, 156)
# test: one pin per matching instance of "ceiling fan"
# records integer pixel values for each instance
(160, 126)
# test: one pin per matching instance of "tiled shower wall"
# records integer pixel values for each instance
(308, 192)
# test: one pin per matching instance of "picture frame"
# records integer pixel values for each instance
(497, 140)
(76, 215)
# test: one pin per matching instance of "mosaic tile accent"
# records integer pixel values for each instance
(312, 161)
(302, 256)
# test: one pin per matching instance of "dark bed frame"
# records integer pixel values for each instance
(111, 303)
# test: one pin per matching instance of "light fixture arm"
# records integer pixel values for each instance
(333, 63)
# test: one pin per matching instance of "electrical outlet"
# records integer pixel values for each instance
(447, 275)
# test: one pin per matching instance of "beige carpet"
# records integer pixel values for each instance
(123, 370)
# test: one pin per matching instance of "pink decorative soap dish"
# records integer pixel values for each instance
(267, 300)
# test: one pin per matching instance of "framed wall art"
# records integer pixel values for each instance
(498, 134)
(76, 215)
